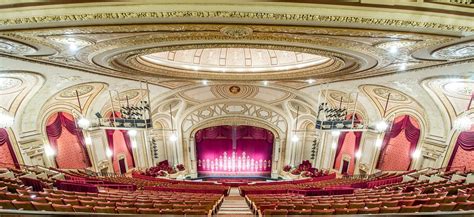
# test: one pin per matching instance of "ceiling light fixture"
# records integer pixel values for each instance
(83, 123)
(132, 133)
(204, 82)
(265, 83)
(310, 81)
(393, 50)
(108, 152)
(88, 140)
(49, 151)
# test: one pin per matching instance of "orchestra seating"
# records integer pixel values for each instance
(408, 197)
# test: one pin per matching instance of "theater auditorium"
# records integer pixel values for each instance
(236, 108)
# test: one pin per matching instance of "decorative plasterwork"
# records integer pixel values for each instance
(451, 93)
(233, 109)
(457, 51)
(74, 91)
(234, 60)
(13, 47)
(131, 15)
(15, 87)
(6, 83)
(115, 50)
(398, 101)
(235, 91)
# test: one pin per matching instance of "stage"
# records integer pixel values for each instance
(235, 181)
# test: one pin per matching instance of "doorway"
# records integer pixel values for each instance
(345, 166)
(122, 166)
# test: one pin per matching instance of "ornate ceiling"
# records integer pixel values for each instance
(352, 46)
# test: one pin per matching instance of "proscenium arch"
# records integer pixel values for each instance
(190, 154)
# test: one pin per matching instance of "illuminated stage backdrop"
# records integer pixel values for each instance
(239, 151)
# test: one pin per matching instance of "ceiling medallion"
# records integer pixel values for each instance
(8, 83)
(236, 31)
(457, 51)
(129, 94)
(234, 89)
(13, 47)
(383, 93)
(81, 90)
(459, 88)
(337, 96)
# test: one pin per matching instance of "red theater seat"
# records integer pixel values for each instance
(149, 211)
(100, 209)
(126, 210)
(322, 211)
(42, 206)
(429, 208)
(23, 205)
(6, 204)
(374, 210)
(395, 209)
(88, 209)
(63, 208)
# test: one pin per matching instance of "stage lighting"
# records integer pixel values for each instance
(109, 152)
(381, 126)
(132, 133)
(358, 154)
(49, 151)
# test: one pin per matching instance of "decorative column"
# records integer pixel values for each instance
(276, 157)
(192, 157)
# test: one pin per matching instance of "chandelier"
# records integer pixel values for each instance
(6, 120)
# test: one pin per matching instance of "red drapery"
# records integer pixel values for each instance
(54, 131)
(465, 141)
(126, 137)
(5, 140)
(412, 133)
(342, 137)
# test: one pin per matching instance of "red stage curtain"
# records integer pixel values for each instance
(462, 152)
(411, 133)
(54, 131)
(215, 142)
(8, 154)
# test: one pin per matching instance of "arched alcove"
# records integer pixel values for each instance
(8, 158)
(67, 140)
(399, 144)
(462, 155)
(348, 145)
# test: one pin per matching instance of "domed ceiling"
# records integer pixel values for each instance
(234, 59)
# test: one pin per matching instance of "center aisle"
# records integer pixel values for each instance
(234, 204)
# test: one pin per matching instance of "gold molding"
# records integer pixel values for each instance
(130, 15)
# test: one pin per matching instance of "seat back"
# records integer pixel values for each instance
(127, 210)
(63, 208)
(410, 209)
(394, 209)
(464, 206)
(149, 211)
(447, 206)
(278, 212)
(78, 208)
(24, 205)
(373, 210)
(429, 207)
(101, 209)
(42, 206)
(6, 204)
